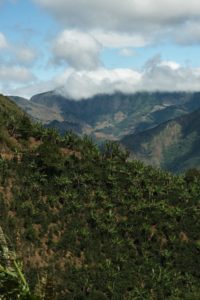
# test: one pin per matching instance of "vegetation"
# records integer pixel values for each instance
(13, 284)
(91, 224)
(173, 146)
(106, 116)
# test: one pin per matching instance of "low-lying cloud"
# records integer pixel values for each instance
(15, 74)
(79, 85)
(156, 75)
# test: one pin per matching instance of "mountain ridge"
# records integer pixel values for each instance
(109, 116)
(136, 120)
(173, 145)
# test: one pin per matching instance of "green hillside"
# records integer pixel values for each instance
(91, 224)
(14, 126)
(174, 145)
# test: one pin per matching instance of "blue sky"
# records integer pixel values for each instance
(88, 47)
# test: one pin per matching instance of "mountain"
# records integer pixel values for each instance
(14, 127)
(109, 117)
(91, 224)
(39, 113)
(173, 145)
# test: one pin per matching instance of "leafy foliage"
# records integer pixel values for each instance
(91, 224)
(13, 284)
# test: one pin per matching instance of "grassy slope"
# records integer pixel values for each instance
(10, 118)
(91, 225)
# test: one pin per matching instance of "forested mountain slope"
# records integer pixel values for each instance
(90, 224)
(109, 116)
(14, 126)
(173, 145)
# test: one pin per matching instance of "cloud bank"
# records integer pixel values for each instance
(156, 75)
(133, 22)
(126, 15)
(79, 55)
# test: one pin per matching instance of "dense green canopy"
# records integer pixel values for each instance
(91, 224)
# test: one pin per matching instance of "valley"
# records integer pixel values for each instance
(146, 123)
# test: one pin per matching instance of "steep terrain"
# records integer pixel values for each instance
(173, 145)
(38, 112)
(91, 224)
(14, 127)
(109, 116)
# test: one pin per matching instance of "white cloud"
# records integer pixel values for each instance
(84, 84)
(112, 39)
(15, 74)
(127, 52)
(130, 23)
(3, 41)
(190, 33)
(15, 62)
(24, 55)
(14, 78)
(28, 90)
(161, 75)
(93, 25)
(80, 50)
(121, 15)
(16, 53)
(156, 61)
(171, 64)
(157, 75)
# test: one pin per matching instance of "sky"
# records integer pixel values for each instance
(84, 47)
